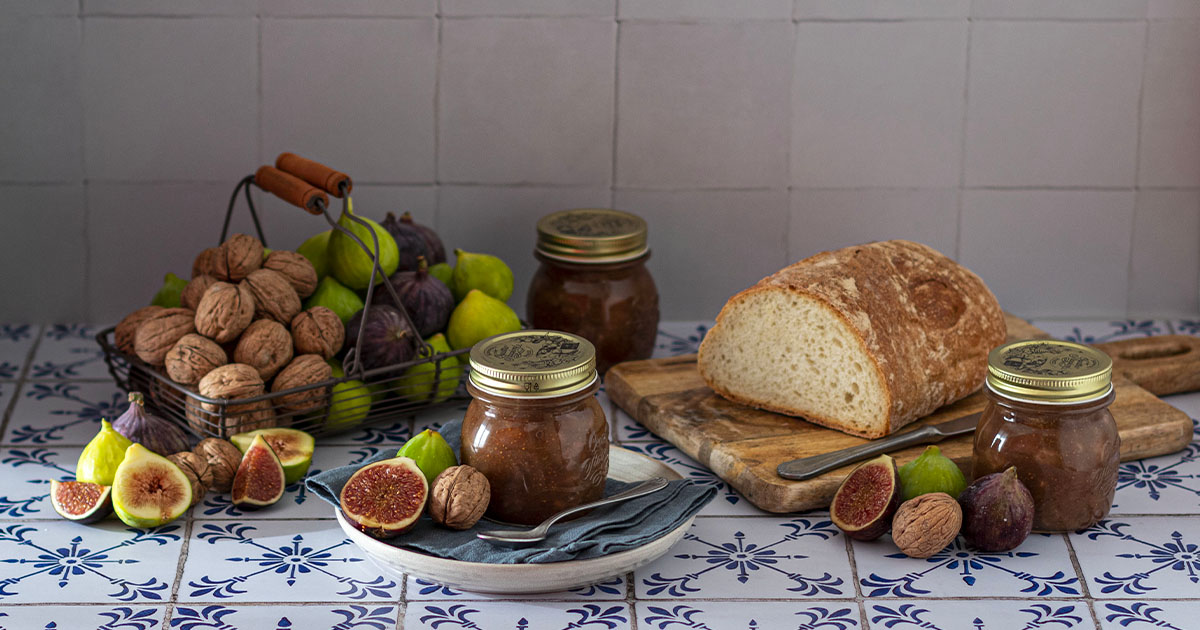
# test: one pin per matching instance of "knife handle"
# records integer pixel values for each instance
(809, 467)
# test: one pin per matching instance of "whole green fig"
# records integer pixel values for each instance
(931, 472)
(169, 295)
(431, 453)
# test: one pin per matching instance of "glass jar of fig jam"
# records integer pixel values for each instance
(593, 282)
(1047, 414)
(534, 427)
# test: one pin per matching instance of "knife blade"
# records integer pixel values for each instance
(809, 467)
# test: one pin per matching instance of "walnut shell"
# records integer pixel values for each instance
(459, 497)
(233, 382)
(125, 331)
(318, 330)
(266, 346)
(306, 369)
(237, 257)
(224, 311)
(924, 525)
(188, 462)
(192, 357)
(223, 459)
(273, 294)
(203, 263)
(160, 331)
(194, 291)
(296, 268)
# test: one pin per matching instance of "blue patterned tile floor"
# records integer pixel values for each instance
(290, 567)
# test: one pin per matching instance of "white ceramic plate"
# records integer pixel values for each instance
(547, 577)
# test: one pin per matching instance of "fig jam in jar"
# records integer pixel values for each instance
(534, 427)
(1047, 414)
(593, 282)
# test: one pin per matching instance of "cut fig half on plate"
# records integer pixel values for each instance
(867, 499)
(386, 498)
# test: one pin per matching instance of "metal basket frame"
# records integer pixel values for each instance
(388, 391)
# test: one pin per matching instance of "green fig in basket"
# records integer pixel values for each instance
(423, 383)
(170, 293)
(334, 296)
(931, 472)
(444, 272)
(478, 317)
(349, 262)
(100, 458)
(431, 453)
(315, 249)
(484, 272)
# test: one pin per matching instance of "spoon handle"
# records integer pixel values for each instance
(646, 487)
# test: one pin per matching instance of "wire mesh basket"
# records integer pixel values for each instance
(339, 404)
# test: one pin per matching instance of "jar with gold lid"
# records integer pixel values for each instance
(1047, 415)
(593, 282)
(534, 427)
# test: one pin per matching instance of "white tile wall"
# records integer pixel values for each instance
(1016, 135)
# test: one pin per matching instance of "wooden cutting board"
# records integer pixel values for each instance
(743, 445)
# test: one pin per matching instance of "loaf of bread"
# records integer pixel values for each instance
(864, 339)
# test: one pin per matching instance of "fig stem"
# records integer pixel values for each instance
(422, 265)
(137, 398)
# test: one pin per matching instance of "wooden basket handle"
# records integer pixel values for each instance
(291, 189)
(315, 173)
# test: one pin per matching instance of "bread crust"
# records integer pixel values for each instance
(926, 323)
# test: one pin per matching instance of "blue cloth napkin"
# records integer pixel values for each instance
(601, 532)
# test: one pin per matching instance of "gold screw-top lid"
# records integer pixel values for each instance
(1049, 371)
(533, 364)
(591, 235)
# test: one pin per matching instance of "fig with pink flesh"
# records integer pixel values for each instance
(80, 501)
(997, 512)
(259, 481)
(386, 498)
(867, 499)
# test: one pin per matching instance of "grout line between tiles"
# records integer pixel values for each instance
(1137, 169)
(183, 554)
(20, 382)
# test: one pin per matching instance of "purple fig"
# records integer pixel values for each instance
(413, 241)
(388, 338)
(427, 300)
(997, 512)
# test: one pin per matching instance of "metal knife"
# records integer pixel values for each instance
(809, 467)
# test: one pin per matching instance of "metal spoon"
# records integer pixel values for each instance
(521, 538)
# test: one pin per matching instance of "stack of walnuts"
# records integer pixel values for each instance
(238, 333)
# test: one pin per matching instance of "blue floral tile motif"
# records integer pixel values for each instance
(1164, 615)
(751, 557)
(437, 416)
(518, 616)
(297, 501)
(63, 413)
(73, 617)
(980, 615)
(728, 501)
(676, 338)
(423, 589)
(15, 341)
(765, 615)
(346, 617)
(1148, 563)
(1035, 569)
(278, 561)
(1167, 484)
(64, 561)
(27, 473)
(69, 351)
(384, 432)
(1186, 326)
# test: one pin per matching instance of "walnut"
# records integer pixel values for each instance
(318, 330)
(192, 357)
(160, 331)
(459, 497)
(195, 468)
(203, 264)
(273, 295)
(237, 257)
(223, 459)
(306, 369)
(233, 382)
(224, 311)
(123, 335)
(266, 346)
(194, 291)
(296, 268)
(924, 525)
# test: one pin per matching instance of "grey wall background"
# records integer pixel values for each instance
(1053, 146)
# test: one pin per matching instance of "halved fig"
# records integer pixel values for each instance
(259, 480)
(81, 502)
(385, 499)
(293, 447)
(867, 498)
(149, 490)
